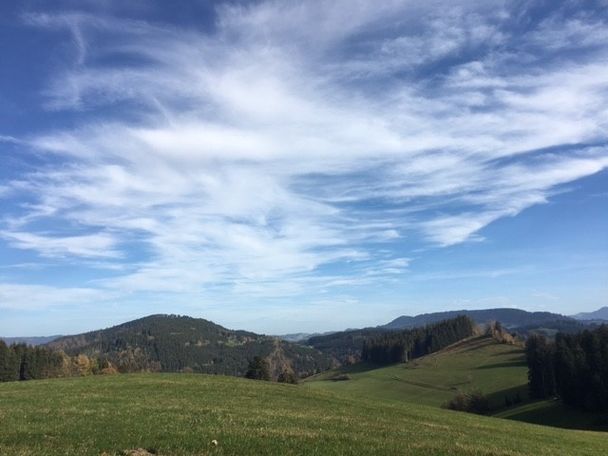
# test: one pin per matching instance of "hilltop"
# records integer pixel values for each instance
(599, 314)
(510, 318)
(180, 414)
(172, 343)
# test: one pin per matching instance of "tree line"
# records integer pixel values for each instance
(400, 347)
(574, 368)
(25, 362)
(345, 346)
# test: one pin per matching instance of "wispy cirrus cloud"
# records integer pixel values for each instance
(283, 151)
(91, 245)
(36, 297)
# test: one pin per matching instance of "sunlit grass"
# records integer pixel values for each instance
(476, 364)
(179, 414)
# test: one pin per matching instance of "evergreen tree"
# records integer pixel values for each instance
(541, 373)
(9, 363)
(258, 369)
(575, 367)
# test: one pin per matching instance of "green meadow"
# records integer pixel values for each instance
(497, 370)
(181, 414)
(480, 364)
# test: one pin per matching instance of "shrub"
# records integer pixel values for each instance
(340, 377)
(474, 402)
(287, 377)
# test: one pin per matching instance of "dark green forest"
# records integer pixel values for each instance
(345, 346)
(172, 343)
(400, 347)
(23, 362)
(161, 343)
(573, 368)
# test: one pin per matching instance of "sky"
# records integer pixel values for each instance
(286, 166)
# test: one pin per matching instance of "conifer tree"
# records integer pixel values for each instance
(258, 369)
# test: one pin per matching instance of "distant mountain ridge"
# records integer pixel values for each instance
(36, 340)
(346, 346)
(510, 318)
(599, 314)
(173, 343)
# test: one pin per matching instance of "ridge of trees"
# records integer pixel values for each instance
(345, 346)
(26, 362)
(400, 347)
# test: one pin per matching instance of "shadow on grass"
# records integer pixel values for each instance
(470, 345)
(554, 413)
(514, 395)
(518, 363)
(361, 367)
(515, 351)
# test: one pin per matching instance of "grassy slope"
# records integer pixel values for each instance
(480, 363)
(179, 414)
(475, 364)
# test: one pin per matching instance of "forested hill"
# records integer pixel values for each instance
(172, 343)
(349, 347)
(600, 314)
(511, 318)
(346, 346)
(401, 346)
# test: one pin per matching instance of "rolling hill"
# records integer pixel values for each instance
(598, 315)
(171, 343)
(510, 318)
(180, 414)
(478, 363)
(346, 346)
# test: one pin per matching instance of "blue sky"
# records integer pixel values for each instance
(287, 166)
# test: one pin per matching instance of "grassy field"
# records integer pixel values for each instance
(480, 363)
(180, 414)
(497, 370)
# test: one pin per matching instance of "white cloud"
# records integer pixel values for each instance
(9, 139)
(37, 297)
(4, 190)
(574, 33)
(92, 245)
(291, 139)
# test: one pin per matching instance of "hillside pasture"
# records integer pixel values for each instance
(181, 414)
